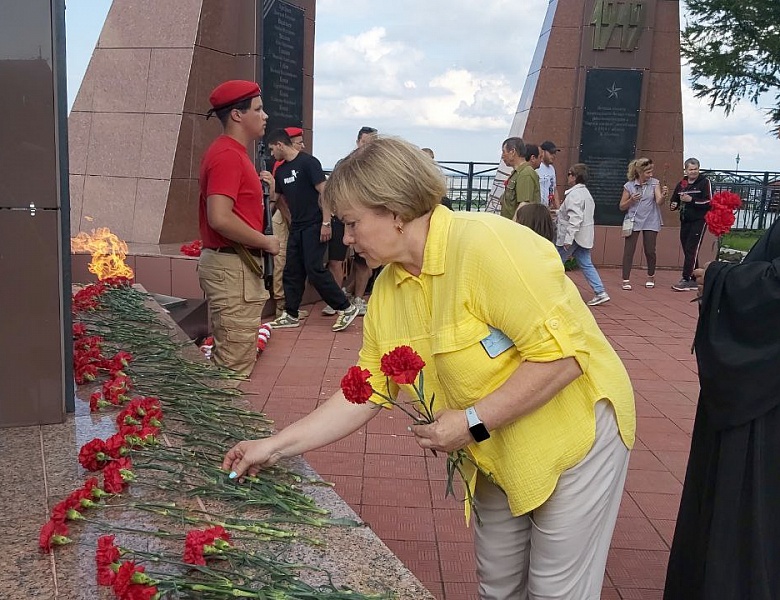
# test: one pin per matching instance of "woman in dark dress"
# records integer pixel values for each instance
(727, 540)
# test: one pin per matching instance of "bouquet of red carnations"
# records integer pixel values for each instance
(720, 218)
(405, 367)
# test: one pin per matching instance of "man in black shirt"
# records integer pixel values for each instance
(692, 198)
(299, 182)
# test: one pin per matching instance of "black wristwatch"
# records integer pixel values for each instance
(476, 427)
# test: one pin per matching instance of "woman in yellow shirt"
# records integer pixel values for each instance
(529, 385)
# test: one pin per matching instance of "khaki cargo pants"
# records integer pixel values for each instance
(236, 298)
(282, 232)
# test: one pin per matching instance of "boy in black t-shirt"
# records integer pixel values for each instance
(298, 183)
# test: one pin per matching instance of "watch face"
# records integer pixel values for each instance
(479, 432)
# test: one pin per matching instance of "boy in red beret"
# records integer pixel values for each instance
(231, 226)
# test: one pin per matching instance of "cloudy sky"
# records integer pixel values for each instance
(442, 73)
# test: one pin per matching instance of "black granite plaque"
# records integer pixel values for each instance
(282, 81)
(609, 126)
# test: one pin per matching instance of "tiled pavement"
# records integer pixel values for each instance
(399, 490)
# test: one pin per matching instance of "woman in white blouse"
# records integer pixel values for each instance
(575, 230)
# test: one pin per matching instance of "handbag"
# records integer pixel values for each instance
(628, 226)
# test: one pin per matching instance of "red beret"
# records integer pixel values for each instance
(233, 91)
(294, 131)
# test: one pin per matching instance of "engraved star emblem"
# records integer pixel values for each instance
(613, 91)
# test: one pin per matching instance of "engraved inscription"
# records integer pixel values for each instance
(610, 121)
(283, 63)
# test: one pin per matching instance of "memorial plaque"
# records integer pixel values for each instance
(282, 73)
(608, 142)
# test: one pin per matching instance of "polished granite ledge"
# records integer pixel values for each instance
(39, 466)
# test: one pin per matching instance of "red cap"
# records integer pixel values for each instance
(294, 131)
(233, 91)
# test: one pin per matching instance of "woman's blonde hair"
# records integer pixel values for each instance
(387, 174)
(638, 166)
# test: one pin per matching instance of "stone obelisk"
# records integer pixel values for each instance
(604, 85)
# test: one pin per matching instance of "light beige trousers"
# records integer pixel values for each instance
(236, 299)
(559, 550)
(282, 232)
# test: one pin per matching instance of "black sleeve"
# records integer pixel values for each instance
(705, 187)
(314, 170)
(738, 335)
(706, 190)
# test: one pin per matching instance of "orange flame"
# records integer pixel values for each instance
(108, 253)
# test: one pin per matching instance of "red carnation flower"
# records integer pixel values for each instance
(112, 481)
(118, 281)
(116, 473)
(93, 455)
(219, 533)
(120, 360)
(131, 583)
(53, 533)
(85, 494)
(86, 373)
(116, 446)
(117, 390)
(124, 577)
(719, 220)
(79, 329)
(105, 576)
(149, 405)
(97, 401)
(727, 200)
(193, 548)
(106, 555)
(201, 542)
(192, 249)
(355, 385)
(59, 511)
(402, 365)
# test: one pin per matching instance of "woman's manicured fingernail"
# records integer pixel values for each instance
(233, 475)
(409, 428)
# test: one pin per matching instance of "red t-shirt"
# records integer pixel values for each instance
(226, 170)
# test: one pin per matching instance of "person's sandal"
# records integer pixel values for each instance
(650, 283)
(626, 284)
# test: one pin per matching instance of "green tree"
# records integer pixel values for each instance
(733, 47)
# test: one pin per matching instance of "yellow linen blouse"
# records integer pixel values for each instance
(482, 269)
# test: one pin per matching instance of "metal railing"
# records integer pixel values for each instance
(760, 193)
(469, 184)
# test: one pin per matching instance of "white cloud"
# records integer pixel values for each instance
(365, 64)
(445, 74)
(364, 77)
(716, 138)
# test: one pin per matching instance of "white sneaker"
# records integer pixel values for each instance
(345, 317)
(362, 305)
(328, 311)
(598, 299)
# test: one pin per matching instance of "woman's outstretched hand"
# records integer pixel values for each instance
(249, 457)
